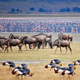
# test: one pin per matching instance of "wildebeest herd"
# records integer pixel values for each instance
(36, 41)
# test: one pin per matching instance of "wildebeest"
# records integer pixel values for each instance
(15, 42)
(64, 36)
(28, 40)
(48, 37)
(47, 41)
(40, 40)
(2, 36)
(61, 43)
(12, 42)
(12, 36)
(4, 43)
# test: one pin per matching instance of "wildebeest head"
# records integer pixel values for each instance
(12, 36)
(23, 38)
(54, 43)
(50, 44)
(70, 37)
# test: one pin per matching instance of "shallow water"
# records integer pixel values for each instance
(43, 24)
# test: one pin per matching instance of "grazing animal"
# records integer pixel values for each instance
(64, 36)
(69, 72)
(48, 37)
(21, 72)
(10, 64)
(76, 62)
(4, 44)
(71, 66)
(59, 69)
(47, 41)
(51, 65)
(12, 36)
(40, 40)
(65, 70)
(60, 43)
(12, 42)
(56, 61)
(22, 38)
(28, 40)
(15, 42)
(1, 41)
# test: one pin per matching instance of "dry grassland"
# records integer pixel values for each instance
(40, 73)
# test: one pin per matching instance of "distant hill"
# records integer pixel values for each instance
(39, 6)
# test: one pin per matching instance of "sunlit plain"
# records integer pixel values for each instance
(45, 55)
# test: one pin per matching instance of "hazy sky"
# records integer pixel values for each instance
(49, 6)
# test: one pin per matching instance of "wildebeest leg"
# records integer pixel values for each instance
(70, 49)
(37, 45)
(20, 48)
(43, 44)
(56, 50)
(66, 50)
(26, 47)
(0, 50)
(11, 48)
(33, 45)
(48, 45)
(60, 50)
(7, 49)
(3, 48)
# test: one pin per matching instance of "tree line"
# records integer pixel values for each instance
(67, 9)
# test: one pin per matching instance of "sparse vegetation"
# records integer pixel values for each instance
(40, 73)
(44, 55)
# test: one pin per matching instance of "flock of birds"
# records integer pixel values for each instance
(56, 64)
(22, 69)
